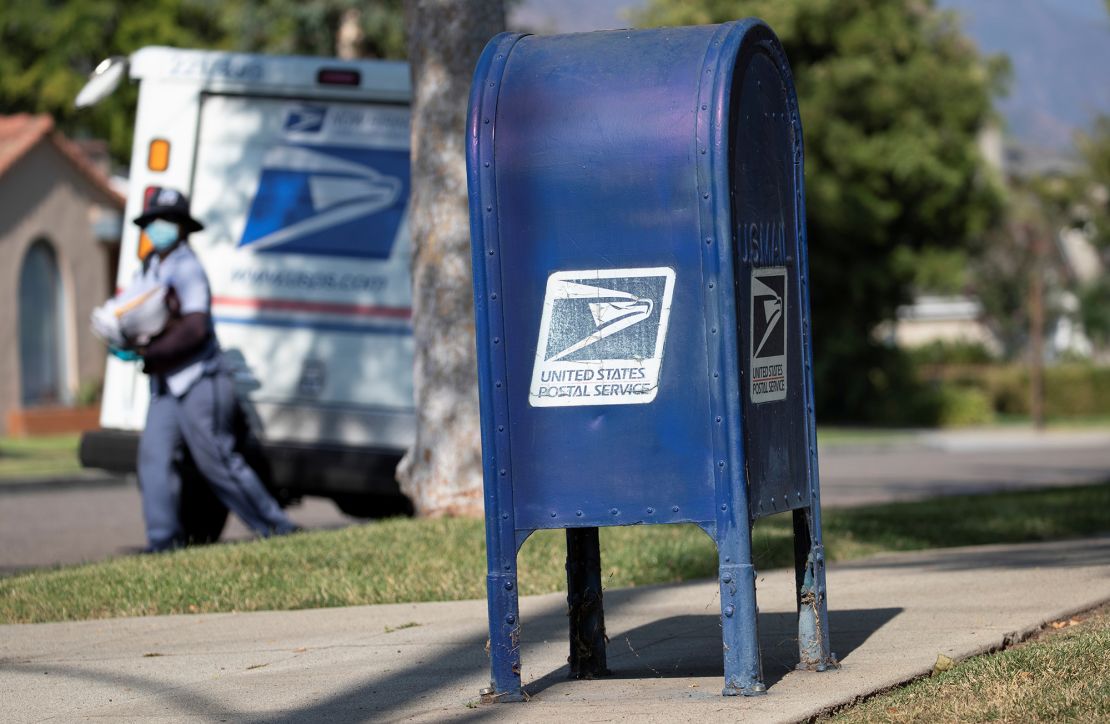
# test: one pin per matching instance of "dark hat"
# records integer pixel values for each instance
(169, 204)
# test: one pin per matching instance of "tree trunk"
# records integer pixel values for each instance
(442, 472)
(349, 37)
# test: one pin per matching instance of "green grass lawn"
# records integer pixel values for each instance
(832, 435)
(402, 560)
(38, 456)
(1061, 675)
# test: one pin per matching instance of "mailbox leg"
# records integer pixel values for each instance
(743, 667)
(586, 612)
(809, 574)
(504, 635)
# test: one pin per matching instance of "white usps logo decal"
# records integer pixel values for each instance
(602, 335)
(767, 369)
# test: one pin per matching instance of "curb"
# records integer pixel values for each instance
(73, 481)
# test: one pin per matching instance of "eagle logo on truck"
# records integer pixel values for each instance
(328, 200)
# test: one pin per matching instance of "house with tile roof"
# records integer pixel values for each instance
(59, 236)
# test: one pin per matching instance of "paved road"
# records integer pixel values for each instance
(858, 476)
(67, 524)
(48, 525)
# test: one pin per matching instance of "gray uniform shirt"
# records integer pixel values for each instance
(181, 271)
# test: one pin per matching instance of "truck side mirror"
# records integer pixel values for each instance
(102, 82)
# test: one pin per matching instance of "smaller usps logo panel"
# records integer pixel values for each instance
(602, 337)
(768, 308)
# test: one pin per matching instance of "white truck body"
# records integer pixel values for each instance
(302, 185)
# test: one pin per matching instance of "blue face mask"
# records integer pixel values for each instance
(162, 234)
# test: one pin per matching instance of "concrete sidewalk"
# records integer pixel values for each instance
(891, 616)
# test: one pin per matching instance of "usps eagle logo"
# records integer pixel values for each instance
(602, 336)
(328, 200)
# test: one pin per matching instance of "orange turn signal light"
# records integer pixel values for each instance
(158, 156)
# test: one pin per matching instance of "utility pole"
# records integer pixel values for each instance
(1036, 326)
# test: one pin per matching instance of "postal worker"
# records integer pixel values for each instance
(192, 398)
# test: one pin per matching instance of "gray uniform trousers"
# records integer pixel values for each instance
(202, 421)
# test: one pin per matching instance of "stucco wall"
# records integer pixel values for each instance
(43, 197)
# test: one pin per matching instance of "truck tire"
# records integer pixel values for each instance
(373, 506)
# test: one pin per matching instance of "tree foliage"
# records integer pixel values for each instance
(1094, 216)
(1094, 206)
(48, 47)
(892, 99)
(309, 27)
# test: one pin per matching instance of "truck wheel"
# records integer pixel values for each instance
(373, 506)
(203, 516)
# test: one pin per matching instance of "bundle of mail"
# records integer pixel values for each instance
(133, 317)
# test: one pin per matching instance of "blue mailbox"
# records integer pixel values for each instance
(640, 279)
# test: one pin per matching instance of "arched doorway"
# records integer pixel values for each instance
(41, 327)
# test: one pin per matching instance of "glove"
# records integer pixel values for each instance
(127, 355)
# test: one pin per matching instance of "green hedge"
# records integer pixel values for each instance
(1071, 390)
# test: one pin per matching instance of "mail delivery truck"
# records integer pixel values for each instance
(299, 169)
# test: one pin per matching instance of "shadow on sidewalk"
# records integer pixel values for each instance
(674, 647)
(690, 646)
